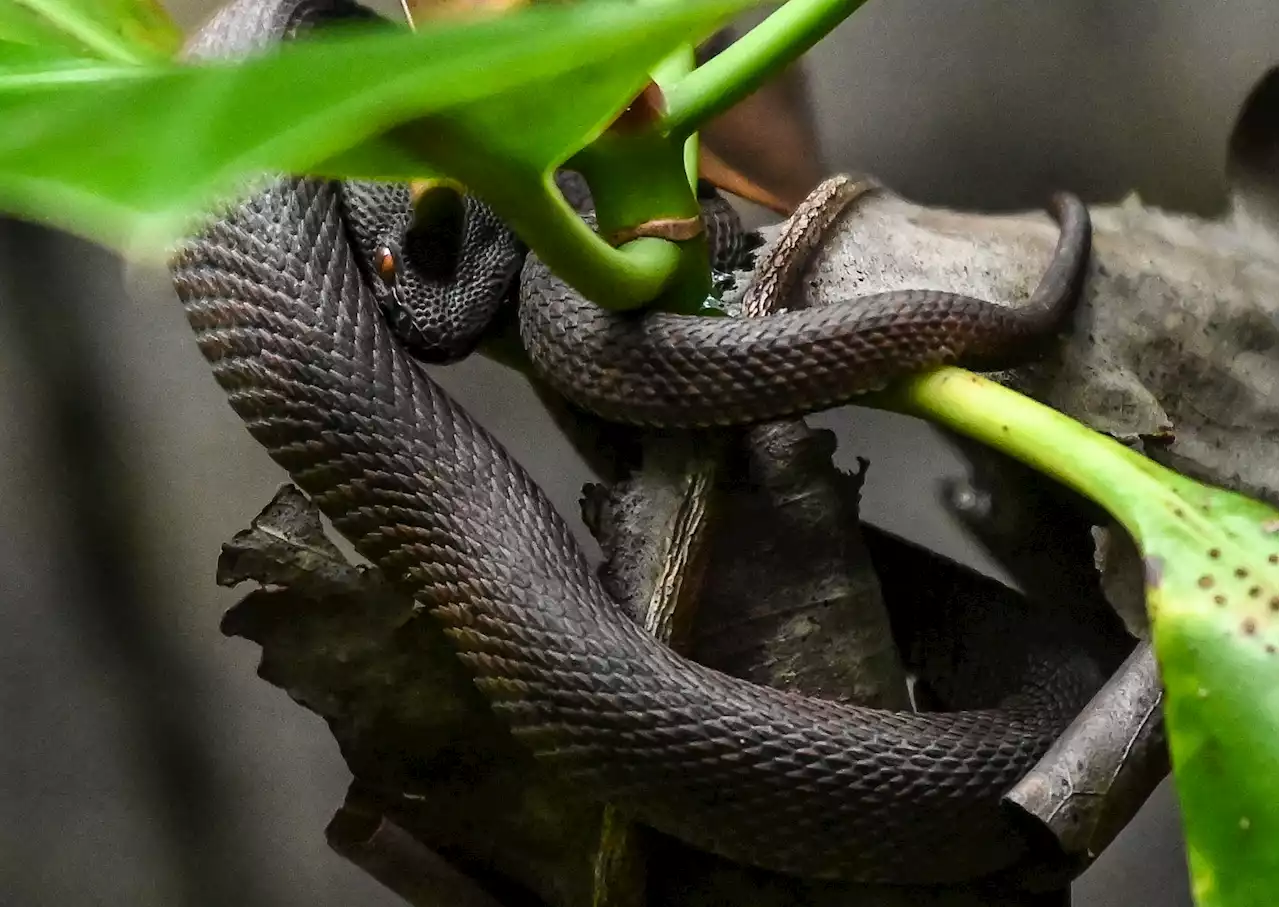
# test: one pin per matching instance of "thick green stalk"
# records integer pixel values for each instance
(638, 177)
(744, 66)
(672, 70)
(627, 277)
(1039, 436)
(691, 159)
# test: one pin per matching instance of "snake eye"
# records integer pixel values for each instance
(384, 261)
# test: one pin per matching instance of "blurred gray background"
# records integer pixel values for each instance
(144, 763)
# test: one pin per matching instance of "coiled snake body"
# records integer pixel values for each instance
(286, 310)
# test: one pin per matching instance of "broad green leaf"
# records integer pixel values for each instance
(1213, 594)
(127, 154)
(1213, 590)
(123, 31)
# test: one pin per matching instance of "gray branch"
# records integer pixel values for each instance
(1104, 766)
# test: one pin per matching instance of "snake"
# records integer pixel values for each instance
(287, 293)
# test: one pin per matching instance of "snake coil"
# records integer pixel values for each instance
(280, 298)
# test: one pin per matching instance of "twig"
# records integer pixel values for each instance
(400, 862)
(1102, 769)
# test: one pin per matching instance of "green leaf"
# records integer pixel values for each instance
(19, 26)
(1213, 594)
(126, 155)
(1213, 590)
(122, 31)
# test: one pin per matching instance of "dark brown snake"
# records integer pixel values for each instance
(286, 309)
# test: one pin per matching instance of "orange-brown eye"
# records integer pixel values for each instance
(385, 262)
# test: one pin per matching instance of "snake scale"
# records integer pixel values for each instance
(288, 311)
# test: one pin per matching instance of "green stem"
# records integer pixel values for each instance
(1101, 469)
(675, 67)
(742, 67)
(627, 277)
(691, 159)
(670, 72)
(638, 177)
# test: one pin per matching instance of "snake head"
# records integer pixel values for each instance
(441, 272)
